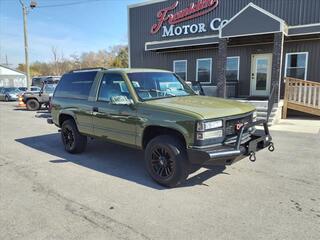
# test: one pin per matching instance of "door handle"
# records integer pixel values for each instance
(95, 109)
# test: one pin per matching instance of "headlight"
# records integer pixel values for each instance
(209, 135)
(254, 116)
(203, 126)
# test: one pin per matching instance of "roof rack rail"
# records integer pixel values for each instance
(87, 69)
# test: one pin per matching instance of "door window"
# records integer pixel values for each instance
(112, 85)
(262, 74)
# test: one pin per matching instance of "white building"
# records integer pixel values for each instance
(12, 78)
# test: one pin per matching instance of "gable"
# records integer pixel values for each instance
(252, 20)
(9, 71)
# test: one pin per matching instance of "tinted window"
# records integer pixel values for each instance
(75, 85)
(112, 85)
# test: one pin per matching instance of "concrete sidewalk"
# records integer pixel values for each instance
(298, 125)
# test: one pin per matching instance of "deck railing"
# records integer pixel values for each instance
(301, 95)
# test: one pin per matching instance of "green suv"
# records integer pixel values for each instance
(155, 111)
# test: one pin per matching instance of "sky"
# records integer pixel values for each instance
(89, 26)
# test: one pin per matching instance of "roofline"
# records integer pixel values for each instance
(149, 2)
(282, 23)
(12, 69)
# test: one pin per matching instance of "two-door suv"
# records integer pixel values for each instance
(155, 111)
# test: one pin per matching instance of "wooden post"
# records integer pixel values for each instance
(285, 105)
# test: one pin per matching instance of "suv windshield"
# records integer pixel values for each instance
(156, 85)
(49, 88)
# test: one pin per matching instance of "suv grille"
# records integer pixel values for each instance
(230, 129)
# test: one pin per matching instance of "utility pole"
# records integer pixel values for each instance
(26, 44)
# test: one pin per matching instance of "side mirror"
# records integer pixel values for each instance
(121, 100)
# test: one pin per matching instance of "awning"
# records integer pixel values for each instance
(180, 43)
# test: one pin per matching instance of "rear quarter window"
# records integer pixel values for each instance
(75, 85)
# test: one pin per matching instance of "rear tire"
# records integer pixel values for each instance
(166, 161)
(33, 105)
(72, 140)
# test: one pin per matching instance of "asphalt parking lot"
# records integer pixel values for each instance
(106, 193)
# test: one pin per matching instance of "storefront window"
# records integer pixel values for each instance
(233, 64)
(204, 68)
(296, 65)
(180, 68)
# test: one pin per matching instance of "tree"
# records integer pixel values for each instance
(114, 57)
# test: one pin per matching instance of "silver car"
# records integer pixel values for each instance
(9, 94)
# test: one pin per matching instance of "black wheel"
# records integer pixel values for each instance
(166, 161)
(72, 140)
(33, 105)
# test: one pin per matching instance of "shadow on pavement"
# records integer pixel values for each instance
(111, 159)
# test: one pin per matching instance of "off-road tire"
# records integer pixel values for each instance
(166, 154)
(72, 140)
(33, 105)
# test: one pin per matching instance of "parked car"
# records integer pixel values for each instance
(9, 94)
(35, 100)
(155, 111)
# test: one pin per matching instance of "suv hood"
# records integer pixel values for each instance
(205, 107)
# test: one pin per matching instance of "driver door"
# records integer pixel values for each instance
(113, 121)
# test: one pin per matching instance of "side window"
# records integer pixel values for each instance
(112, 85)
(75, 85)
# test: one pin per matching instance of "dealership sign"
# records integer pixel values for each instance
(197, 9)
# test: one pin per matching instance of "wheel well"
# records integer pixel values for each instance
(32, 99)
(64, 117)
(154, 131)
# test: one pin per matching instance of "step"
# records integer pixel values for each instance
(264, 115)
(263, 109)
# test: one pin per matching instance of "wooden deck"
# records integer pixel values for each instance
(301, 95)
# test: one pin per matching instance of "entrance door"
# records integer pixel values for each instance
(261, 66)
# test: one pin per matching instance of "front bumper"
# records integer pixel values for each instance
(228, 154)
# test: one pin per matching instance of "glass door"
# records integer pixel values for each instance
(261, 74)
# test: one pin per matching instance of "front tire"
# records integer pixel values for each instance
(33, 105)
(72, 140)
(166, 161)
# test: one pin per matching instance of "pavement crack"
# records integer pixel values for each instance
(97, 219)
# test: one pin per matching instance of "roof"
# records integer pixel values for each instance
(242, 24)
(11, 69)
(137, 70)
